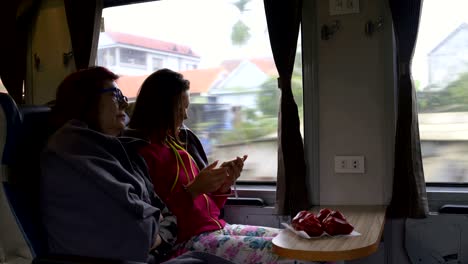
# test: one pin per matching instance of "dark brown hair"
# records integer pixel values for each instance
(158, 104)
(77, 96)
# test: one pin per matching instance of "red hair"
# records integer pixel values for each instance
(77, 95)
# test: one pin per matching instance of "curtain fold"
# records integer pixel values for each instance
(409, 187)
(16, 20)
(283, 19)
(8, 64)
(84, 18)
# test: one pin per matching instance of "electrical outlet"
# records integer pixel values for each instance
(349, 164)
(341, 7)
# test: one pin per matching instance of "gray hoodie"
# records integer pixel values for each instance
(96, 197)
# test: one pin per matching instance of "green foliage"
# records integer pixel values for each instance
(453, 98)
(202, 126)
(240, 4)
(268, 98)
(251, 128)
(240, 33)
(298, 92)
(417, 85)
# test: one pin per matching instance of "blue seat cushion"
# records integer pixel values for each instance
(28, 220)
(13, 125)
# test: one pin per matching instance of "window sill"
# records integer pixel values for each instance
(445, 189)
(439, 196)
(265, 192)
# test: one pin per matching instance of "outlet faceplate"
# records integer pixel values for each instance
(350, 164)
(342, 7)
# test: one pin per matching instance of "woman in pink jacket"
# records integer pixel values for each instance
(195, 195)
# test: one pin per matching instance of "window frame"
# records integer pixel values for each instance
(153, 58)
(436, 186)
(310, 78)
(439, 195)
(443, 193)
(266, 190)
(132, 65)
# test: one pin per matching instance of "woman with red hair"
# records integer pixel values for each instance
(96, 197)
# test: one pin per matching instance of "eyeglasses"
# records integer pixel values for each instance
(121, 99)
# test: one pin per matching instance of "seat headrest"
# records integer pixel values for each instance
(34, 111)
(11, 123)
(32, 135)
(34, 118)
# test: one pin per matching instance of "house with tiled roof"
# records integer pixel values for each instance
(240, 88)
(448, 59)
(203, 105)
(201, 81)
(217, 94)
(235, 83)
(266, 65)
(127, 54)
(130, 85)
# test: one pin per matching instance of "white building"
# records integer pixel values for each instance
(448, 59)
(127, 54)
(241, 87)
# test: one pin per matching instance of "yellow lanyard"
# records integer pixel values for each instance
(175, 147)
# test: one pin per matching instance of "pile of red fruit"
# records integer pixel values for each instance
(332, 222)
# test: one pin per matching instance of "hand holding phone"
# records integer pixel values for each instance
(234, 167)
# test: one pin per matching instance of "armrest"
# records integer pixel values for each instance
(453, 209)
(70, 259)
(242, 201)
(245, 201)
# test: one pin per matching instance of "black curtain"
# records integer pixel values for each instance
(409, 187)
(283, 19)
(16, 20)
(84, 18)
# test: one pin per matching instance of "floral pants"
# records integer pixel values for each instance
(239, 244)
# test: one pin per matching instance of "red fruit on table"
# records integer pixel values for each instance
(311, 225)
(338, 215)
(298, 219)
(323, 214)
(299, 215)
(336, 226)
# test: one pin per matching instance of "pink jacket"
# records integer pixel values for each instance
(194, 216)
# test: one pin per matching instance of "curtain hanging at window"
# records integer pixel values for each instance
(283, 19)
(84, 21)
(409, 187)
(16, 20)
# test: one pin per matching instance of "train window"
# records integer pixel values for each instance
(132, 57)
(440, 74)
(222, 47)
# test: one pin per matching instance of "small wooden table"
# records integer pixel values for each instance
(367, 220)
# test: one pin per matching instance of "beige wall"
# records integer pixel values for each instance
(49, 40)
(356, 105)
